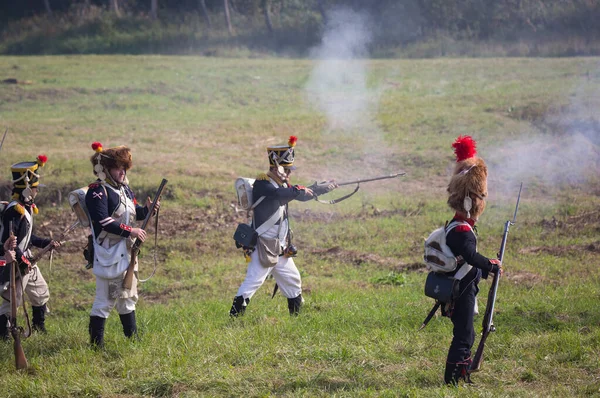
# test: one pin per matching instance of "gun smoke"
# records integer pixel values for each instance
(559, 150)
(338, 88)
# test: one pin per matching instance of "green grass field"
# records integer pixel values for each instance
(202, 122)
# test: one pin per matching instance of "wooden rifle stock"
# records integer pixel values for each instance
(135, 249)
(15, 331)
(49, 246)
(488, 318)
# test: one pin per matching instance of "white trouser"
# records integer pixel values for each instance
(36, 290)
(107, 296)
(285, 273)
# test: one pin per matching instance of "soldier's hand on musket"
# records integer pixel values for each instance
(10, 256)
(306, 190)
(138, 233)
(55, 244)
(149, 205)
(496, 266)
(10, 243)
(323, 187)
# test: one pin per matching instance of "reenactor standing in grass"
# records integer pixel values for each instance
(274, 250)
(19, 213)
(467, 194)
(113, 209)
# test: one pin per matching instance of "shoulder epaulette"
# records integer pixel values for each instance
(262, 177)
(20, 209)
(463, 228)
(93, 185)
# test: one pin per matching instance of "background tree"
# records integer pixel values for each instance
(266, 6)
(113, 6)
(228, 17)
(202, 4)
(47, 6)
(154, 9)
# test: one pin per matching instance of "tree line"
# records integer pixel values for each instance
(396, 21)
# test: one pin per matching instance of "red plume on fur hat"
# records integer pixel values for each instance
(469, 177)
(465, 147)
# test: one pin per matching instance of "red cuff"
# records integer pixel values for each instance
(125, 227)
(25, 260)
(2, 263)
(300, 187)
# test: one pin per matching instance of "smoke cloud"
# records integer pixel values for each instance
(338, 84)
(562, 149)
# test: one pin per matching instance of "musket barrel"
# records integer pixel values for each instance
(371, 179)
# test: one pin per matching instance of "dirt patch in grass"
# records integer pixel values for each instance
(573, 222)
(358, 258)
(524, 278)
(562, 251)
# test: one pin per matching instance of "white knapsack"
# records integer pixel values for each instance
(77, 202)
(438, 257)
(243, 189)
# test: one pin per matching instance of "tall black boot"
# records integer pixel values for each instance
(294, 305)
(97, 331)
(239, 306)
(129, 325)
(457, 371)
(39, 318)
(4, 327)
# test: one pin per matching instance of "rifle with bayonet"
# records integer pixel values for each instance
(15, 331)
(135, 249)
(317, 185)
(488, 322)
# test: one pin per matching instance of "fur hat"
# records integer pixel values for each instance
(282, 155)
(469, 178)
(111, 158)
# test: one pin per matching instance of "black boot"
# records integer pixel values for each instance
(129, 325)
(97, 331)
(239, 306)
(457, 371)
(39, 318)
(294, 305)
(4, 328)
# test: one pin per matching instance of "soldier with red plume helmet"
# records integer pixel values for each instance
(467, 193)
(19, 213)
(113, 209)
(274, 251)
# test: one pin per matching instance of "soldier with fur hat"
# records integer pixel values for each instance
(19, 213)
(274, 251)
(467, 192)
(113, 209)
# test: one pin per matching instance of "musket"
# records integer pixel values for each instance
(135, 249)
(371, 179)
(357, 182)
(50, 246)
(3, 138)
(488, 321)
(15, 331)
